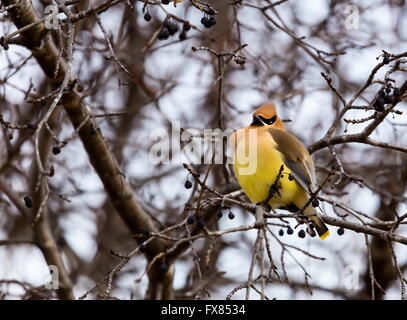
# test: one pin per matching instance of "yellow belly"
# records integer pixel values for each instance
(257, 170)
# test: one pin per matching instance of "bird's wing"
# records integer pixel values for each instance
(296, 158)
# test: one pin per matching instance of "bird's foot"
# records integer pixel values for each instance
(265, 205)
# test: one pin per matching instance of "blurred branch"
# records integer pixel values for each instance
(378, 117)
(43, 236)
(15, 241)
(99, 154)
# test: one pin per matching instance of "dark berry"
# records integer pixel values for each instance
(341, 231)
(231, 215)
(164, 34)
(165, 1)
(186, 26)
(396, 92)
(301, 234)
(191, 220)
(379, 104)
(212, 21)
(145, 232)
(28, 201)
(315, 203)
(188, 184)
(240, 60)
(171, 26)
(281, 232)
(388, 99)
(183, 36)
(220, 214)
(56, 150)
(147, 17)
(290, 230)
(168, 23)
(51, 171)
(200, 223)
(386, 60)
(142, 247)
(163, 267)
(205, 22)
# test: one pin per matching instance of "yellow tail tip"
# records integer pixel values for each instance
(325, 235)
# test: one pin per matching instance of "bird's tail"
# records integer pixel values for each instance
(319, 225)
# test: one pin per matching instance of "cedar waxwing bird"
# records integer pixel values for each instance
(274, 168)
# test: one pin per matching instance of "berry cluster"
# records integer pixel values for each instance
(170, 28)
(242, 60)
(200, 223)
(301, 233)
(185, 28)
(208, 22)
(311, 232)
(385, 97)
(231, 215)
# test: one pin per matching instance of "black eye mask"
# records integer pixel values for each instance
(262, 121)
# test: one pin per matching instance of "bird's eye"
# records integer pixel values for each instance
(268, 121)
(262, 121)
